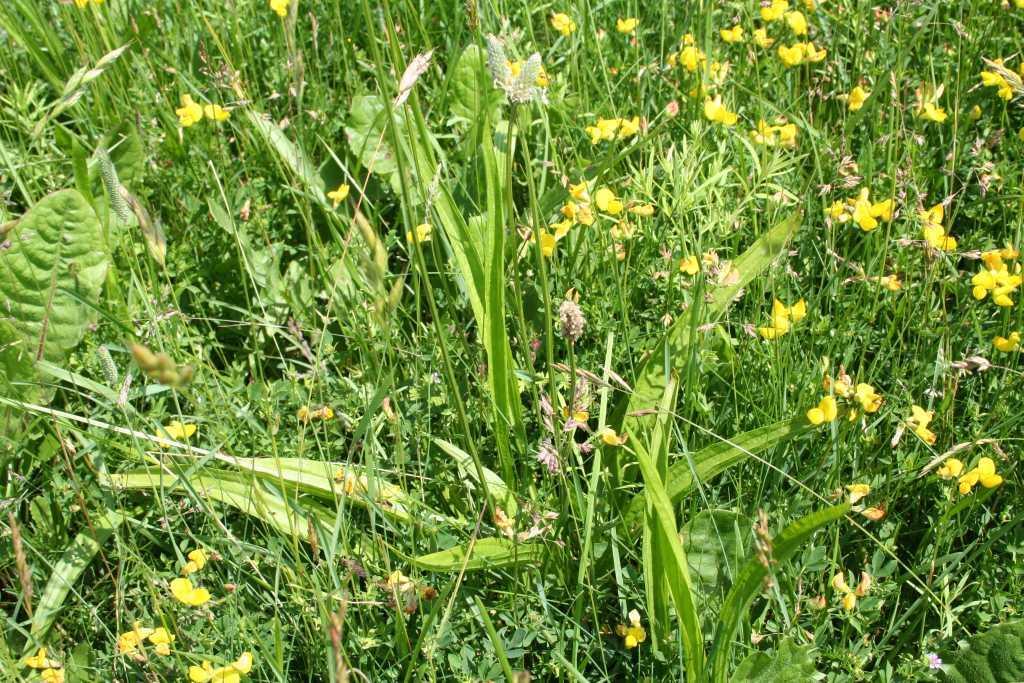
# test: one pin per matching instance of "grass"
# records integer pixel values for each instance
(396, 522)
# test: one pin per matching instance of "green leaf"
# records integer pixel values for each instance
(54, 268)
(72, 563)
(667, 551)
(486, 553)
(473, 94)
(673, 351)
(790, 663)
(293, 158)
(750, 581)
(369, 141)
(995, 656)
(716, 458)
(715, 542)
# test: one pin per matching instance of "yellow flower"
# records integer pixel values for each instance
(825, 411)
(891, 282)
(950, 469)
(691, 58)
(782, 317)
(604, 129)
(787, 134)
(993, 80)
(196, 561)
(984, 474)
(1007, 344)
(420, 234)
(797, 23)
(732, 35)
(53, 675)
(775, 11)
(931, 112)
(791, 55)
(932, 230)
(629, 127)
(190, 112)
(867, 214)
(849, 596)
(919, 420)
(813, 54)
(161, 641)
(579, 192)
(869, 400)
(183, 590)
(215, 112)
(715, 111)
(280, 7)
(607, 202)
(642, 210)
(232, 673)
(762, 39)
(975, 113)
(634, 634)
(39, 660)
(626, 26)
(547, 243)
(339, 195)
(610, 437)
(176, 431)
(562, 23)
(996, 278)
(858, 96)
(857, 492)
(689, 265)
(839, 583)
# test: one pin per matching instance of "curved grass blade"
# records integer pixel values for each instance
(486, 553)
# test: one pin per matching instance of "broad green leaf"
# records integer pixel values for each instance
(666, 546)
(72, 563)
(790, 663)
(672, 352)
(473, 96)
(716, 541)
(54, 268)
(718, 457)
(368, 138)
(486, 553)
(750, 581)
(995, 656)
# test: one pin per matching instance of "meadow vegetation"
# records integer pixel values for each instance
(463, 340)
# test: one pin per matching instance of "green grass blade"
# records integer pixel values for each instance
(486, 553)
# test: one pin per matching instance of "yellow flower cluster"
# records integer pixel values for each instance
(932, 230)
(280, 7)
(50, 671)
(633, 634)
(800, 53)
(563, 23)
(993, 79)
(307, 414)
(230, 673)
(783, 318)
(183, 589)
(1007, 344)
(848, 596)
(860, 396)
(995, 277)
(862, 211)
(781, 134)
(919, 420)
(984, 473)
(191, 112)
(717, 112)
(613, 129)
(130, 641)
(339, 195)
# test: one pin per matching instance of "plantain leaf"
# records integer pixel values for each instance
(72, 563)
(495, 485)
(716, 458)
(790, 663)
(486, 553)
(995, 656)
(473, 94)
(53, 269)
(716, 542)
(750, 581)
